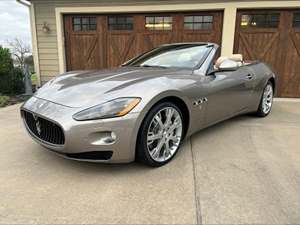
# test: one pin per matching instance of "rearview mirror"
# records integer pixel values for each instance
(229, 65)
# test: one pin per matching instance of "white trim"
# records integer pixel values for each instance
(295, 100)
(34, 44)
(228, 7)
(60, 41)
(228, 30)
(30, 7)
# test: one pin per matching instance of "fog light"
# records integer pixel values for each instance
(102, 138)
(111, 139)
(113, 136)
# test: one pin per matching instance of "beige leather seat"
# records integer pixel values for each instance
(235, 57)
(219, 61)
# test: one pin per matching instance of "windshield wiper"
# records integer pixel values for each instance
(145, 65)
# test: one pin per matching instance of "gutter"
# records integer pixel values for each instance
(23, 2)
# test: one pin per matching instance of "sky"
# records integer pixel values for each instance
(14, 22)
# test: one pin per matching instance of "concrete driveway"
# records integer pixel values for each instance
(242, 171)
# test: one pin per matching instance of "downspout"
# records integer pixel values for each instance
(33, 38)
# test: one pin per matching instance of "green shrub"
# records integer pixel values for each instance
(11, 79)
(3, 100)
(6, 62)
(12, 83)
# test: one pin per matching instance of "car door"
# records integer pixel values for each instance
(227, 93)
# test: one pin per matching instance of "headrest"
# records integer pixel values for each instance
(220, 60)
(234, 57)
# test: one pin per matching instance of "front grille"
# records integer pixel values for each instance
(44, 129)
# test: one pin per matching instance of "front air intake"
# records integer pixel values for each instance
(43, 129)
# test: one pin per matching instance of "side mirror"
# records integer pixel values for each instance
(228, 65)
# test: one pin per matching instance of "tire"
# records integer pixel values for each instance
(266, 101)
(162, 145)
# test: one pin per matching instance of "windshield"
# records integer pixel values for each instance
(178, 56)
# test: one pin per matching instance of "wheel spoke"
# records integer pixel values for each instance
(267, 107)
(270, 92)
(175, 125)
(152, 137)
(174, 138)
(155, 153)
(169, 114)
(167, 151)
(159, 121)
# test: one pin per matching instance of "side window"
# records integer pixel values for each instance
(120, 23)
(268, 20)
(84, 23)
(158, 22)
(198, 22)
(296, 20)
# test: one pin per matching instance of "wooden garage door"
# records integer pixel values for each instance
(273, 37)
(105, 41)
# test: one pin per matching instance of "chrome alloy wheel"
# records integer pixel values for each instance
(267, 99)
(164, 134)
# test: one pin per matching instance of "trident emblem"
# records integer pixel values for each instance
(37, 124)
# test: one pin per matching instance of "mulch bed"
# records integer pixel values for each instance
(15, 100)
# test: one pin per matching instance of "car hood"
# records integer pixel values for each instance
(88, 88)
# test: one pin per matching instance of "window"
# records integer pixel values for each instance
(120, 23)
(260, 20)
(84, 23)
(158, 23)
(296, 20)
(198, 22)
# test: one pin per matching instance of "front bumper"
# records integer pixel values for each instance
(84, 139)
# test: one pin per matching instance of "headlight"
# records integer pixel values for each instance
(114, 108)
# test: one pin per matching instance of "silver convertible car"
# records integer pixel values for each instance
(145, 108)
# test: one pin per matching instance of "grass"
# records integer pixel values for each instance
(4, 100)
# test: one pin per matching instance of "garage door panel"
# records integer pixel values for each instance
(274, 41)
(153, 40)
(192, 37)
(121, 47)
(257, 45)
(84, 54)
(291, 78)
(295, 38)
